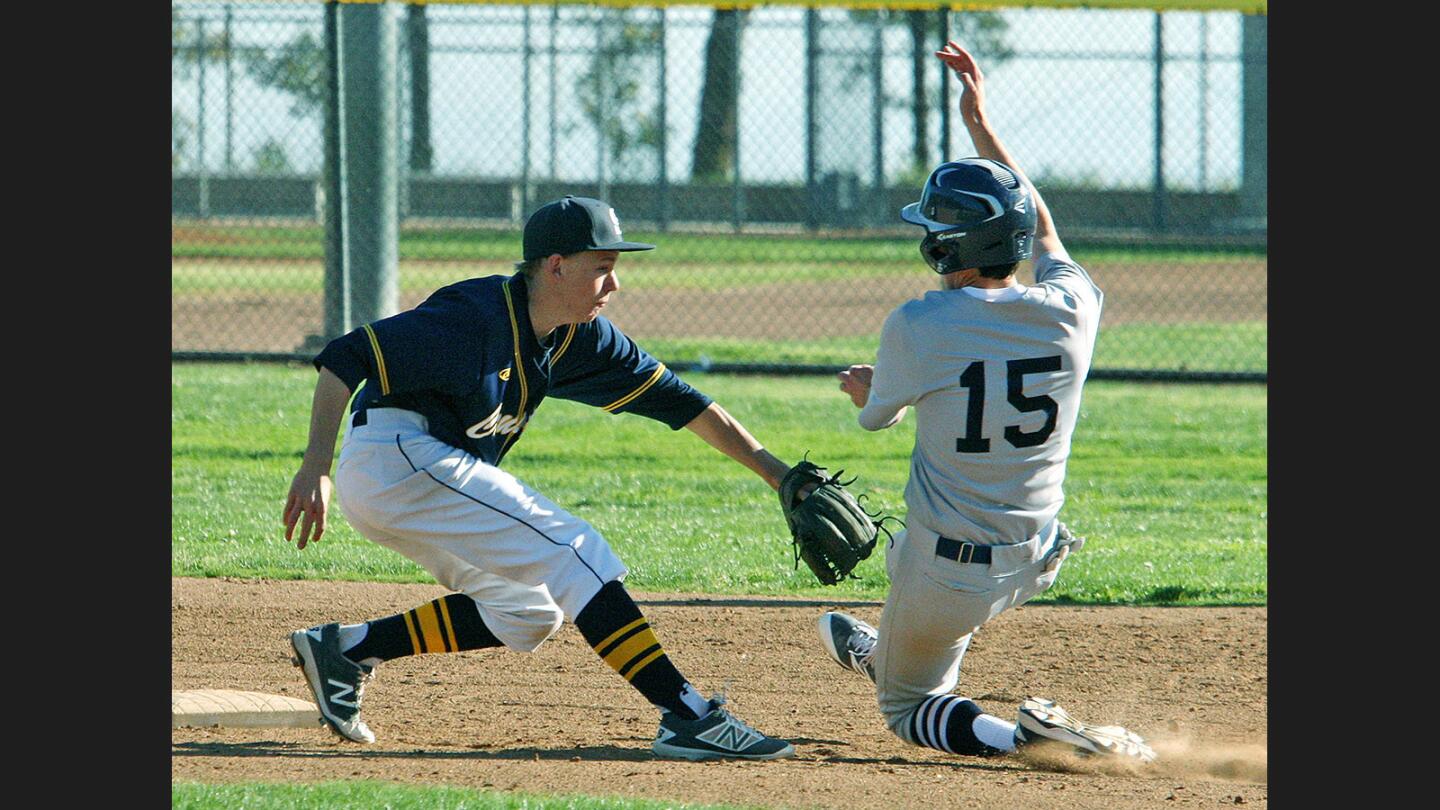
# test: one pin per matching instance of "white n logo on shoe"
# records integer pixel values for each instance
(730, 736)
(339, 695)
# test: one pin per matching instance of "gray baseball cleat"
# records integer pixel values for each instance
(850, 642)
(1042, 721)
(336, 682)
(717, 735)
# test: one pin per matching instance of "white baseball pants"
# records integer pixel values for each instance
(527, 563)
(936, 604)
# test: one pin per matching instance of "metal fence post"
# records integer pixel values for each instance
(944, 15)
(812, 46)
(337, 280)
(200, 59)
(1254, 185)
(367, 60)
(554, 129)
(417, 26)
(402, 156)
(229, 94)
(1157, 193)
(737, 202)
(1204, 100)
(662, 106)
(526, 53)
(877, 118)
(602, 64)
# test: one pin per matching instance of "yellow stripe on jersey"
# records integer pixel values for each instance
(379, 360)
(564, 344)
(625, 400)
(519, 363)
(414, 639)
(429, 621)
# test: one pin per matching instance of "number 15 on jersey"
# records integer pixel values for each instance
(973, 379)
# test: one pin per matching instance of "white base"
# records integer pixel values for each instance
(228, 708)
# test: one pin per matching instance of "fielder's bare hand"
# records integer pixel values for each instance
(855, 381)
(310, 491)
(309, 499)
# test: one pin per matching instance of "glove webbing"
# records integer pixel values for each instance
(879, 524)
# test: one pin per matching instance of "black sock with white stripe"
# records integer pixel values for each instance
(949, 723)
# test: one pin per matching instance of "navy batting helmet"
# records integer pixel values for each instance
(976, 213)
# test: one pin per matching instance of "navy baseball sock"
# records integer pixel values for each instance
(947, 723)
(449, 624)
(613, 625)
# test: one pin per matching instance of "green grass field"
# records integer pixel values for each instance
(203, 240)
(1185, 346)
(210, 275)
(285, 265)
(1168, 482)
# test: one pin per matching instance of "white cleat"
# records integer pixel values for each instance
(1041, 721)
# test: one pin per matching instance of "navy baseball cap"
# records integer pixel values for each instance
(572, 225)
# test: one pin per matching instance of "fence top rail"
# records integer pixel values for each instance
(1245, 6)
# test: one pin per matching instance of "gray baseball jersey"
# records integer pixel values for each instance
(995, 378)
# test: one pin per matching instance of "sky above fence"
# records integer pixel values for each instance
(1075, 102)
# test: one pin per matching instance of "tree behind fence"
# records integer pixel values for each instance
(767, 150)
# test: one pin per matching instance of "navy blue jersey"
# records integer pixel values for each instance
(467, 359)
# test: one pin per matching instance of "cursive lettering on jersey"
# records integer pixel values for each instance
(495, 423)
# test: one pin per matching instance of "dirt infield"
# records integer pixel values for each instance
(259, 320)
(1192, 680)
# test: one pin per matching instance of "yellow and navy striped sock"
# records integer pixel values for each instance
(613, 625)
(449, 624)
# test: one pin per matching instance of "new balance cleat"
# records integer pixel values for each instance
(850, 642)
(337, 683)
(717, 735)
(1042, 721)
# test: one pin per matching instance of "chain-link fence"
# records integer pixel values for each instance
(767, 150)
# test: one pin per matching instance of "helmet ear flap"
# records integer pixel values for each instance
(1024, 244)
(937, 254)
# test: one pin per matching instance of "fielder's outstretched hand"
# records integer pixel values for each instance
(831, 531)
(309, 498)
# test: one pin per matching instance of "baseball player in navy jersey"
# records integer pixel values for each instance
(993, 370)
(441, 393)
